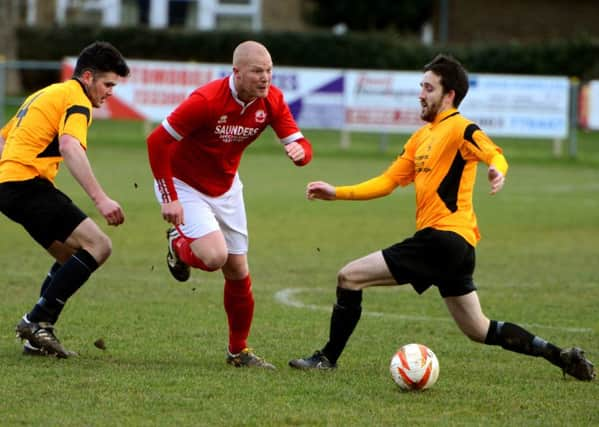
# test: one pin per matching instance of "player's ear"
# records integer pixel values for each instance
(450, 96)
(87, 76)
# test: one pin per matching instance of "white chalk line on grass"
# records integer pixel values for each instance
(289, 297)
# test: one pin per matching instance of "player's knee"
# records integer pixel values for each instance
(215, 263)
(213, 260)
(100, 248)
(345, 280)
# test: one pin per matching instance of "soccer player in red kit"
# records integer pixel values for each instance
(194, 155)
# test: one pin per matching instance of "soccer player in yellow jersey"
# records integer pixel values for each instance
(49, 128)
(440, 159)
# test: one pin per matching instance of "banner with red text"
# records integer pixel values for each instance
(155, 88)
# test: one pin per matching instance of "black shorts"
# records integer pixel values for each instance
(433, 257)
(44, 211)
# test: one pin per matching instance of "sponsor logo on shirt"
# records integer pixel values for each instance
(422, 157)
(222, 119)
(235, 133)
(260, 116)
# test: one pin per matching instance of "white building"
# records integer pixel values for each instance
(192, 14)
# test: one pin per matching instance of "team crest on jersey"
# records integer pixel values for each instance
(260, 116)
(222, 119)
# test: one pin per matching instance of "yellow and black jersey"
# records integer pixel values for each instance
(31, 148)
(440, 159)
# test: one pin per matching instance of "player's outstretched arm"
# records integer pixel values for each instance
(376, 187)
(320, 190)
(79, 166)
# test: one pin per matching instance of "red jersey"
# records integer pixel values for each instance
(212, 128)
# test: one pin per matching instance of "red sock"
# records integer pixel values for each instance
(184, 252)
(239, 305)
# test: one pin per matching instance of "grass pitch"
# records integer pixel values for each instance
(165, 341)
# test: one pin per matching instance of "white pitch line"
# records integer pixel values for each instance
(289, 297)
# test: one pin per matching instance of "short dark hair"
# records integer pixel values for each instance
(453, 76)
(101, 57)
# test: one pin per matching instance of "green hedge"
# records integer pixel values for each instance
(576, 57)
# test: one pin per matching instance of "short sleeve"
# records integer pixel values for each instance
(7, 128)
(75, 122)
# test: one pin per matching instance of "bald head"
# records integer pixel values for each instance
(252, 70)
(249, 51)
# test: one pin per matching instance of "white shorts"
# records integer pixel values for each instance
(204, 214)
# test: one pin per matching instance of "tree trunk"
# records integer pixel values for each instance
(8, 43)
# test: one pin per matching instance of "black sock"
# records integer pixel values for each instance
(50, 315)
(345, 317)
(55, 267)
(515, 338)
(65, 282)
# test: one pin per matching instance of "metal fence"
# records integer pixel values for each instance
(6, 66)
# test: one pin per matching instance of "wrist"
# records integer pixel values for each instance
(99, 197)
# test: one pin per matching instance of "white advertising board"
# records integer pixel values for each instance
(315, 96)
(502, 105)
(155, 88)
(379, 101)
(521, 106)
(382, 101)
(593, 105)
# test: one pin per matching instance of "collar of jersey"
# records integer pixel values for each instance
(236, 97)
(445, 114)
(82, 85)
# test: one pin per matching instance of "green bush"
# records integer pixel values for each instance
(574, 57)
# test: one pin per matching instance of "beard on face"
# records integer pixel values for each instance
(429, 111)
